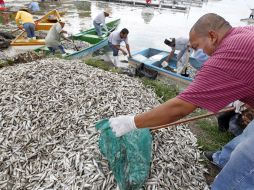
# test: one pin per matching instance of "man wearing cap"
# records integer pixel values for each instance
(24, 18)
(114, 41)
(53, 37)
(99, 22)
(182, 45)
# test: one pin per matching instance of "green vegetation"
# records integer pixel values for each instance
(4, 63)
(101, 64)
(162, 90)
(209, 137)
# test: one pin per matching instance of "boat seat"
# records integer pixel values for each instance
(159, 56)
(44, 26)
(23, 42)
(152, 59)
(140, 58)
(91, 36)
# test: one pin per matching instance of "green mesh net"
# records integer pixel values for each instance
(129, 156)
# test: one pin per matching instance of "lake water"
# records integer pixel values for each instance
(147, 30)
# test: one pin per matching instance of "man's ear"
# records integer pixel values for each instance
(213, 35)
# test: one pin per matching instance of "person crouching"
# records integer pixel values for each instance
(53, 37)
(25, 20)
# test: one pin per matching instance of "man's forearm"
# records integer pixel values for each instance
(118, 47)
(128, 49)
(17, 19)
(62, 35)
(170, 55)
(181, 53)
(172, 110)
(105, 27)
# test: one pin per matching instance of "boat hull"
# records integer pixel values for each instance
(89, 36)
(26, 48)
(43, 24)
(249, 20)
(152, 59)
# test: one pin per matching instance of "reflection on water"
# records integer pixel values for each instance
(147, 14)
(147, 29)
(83, 5)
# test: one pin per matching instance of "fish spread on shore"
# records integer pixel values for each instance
(48, 109)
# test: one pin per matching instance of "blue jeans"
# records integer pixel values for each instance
(29, 27)
(237, 161)
(98, 28)
(114, 49)
(53, 49)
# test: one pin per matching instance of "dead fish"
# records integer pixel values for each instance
(48, 141)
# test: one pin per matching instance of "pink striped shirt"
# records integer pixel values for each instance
(228, 75)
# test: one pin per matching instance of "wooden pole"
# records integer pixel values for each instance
(187, 120)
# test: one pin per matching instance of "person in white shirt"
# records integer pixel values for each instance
(252, 14)
(182, 45)
(99, 22)
(52, 40)
(114, 41)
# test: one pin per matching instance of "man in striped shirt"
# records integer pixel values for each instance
(225, 77)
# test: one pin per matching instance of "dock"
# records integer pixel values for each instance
(181, 5)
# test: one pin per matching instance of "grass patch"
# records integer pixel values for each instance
(209, 137)
(5, 63)
(162, 90)
(101, 64)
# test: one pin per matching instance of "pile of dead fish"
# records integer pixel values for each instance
(20, 57)
(176, 160)
(26, 57)
(5, 39)
(41, 34)
(9, 27)
(3, 55)
(48, 109)
(75, 45)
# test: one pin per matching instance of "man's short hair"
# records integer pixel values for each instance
(210, 21)
(125, 31)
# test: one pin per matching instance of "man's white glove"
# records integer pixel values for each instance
(239, 106)
(122, 124)
(164, 64)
